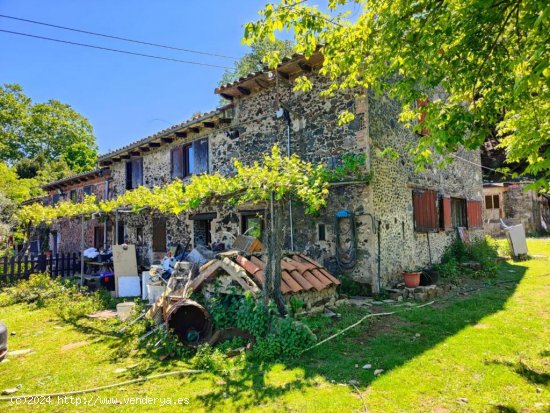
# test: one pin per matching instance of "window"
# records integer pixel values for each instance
(87, 190)
(425, 211)
(458, 213)
(99, 237)
(73, 195)
(202, 227)
(252, 224)
(134, 173)
(492, 201)
(189, 159)
(56, 198)
(159, 235)
(139, 235)
(321, 231)
(120, 233)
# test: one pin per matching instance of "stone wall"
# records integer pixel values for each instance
(316, 137)
(517, 206)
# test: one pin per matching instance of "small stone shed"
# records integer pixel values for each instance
(301, 277)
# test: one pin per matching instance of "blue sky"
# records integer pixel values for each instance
(124, 97)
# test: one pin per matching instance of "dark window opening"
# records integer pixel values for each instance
(201, 232)
(252, 224)
(120, 235)
(492, 202)
(56, 198)
(134, 173)
(159, 235)
(458, 212)
(139, 235)
(321, 232)
(99, 237)
(87, 190)
(73, 195)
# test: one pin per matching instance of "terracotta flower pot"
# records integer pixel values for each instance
(412, 279)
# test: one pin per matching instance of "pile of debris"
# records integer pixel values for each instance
(235, 272)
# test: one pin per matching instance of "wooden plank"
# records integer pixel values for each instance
(210, 271)
(12, 272)
(19, 258)
(124, 262)
(5, 270)
(26, 267)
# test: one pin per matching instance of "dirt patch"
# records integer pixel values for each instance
(380, 326)
(71, 346)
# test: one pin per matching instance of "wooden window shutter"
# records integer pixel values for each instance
(129, 175)
(447, 220)
(176, 162)
(475, 219)
(137, 172)
(425, 211)
(200, 151)
(159, 235)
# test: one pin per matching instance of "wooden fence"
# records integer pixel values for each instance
(18, 268)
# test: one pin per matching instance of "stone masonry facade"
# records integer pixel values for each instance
(383, 209)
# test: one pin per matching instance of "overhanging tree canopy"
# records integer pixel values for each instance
(479, 67)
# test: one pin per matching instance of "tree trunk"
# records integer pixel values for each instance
(272, 286)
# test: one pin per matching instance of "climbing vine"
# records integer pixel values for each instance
(285, 177)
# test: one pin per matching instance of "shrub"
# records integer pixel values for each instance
(275, 337)
(483, 251)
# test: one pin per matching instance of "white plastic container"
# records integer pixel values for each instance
(124, 310)
(154, 292)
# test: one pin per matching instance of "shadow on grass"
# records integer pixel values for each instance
(385, 343)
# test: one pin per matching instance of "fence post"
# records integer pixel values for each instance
(41, 263)
(50, 265)
(26, 271)
(76, 266)
(56, 265)
(19, 259)
(5, 270)
(62, 270)
(12, 269)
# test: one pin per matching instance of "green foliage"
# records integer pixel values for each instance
(483, 251)
(287, 178)
(15, 189)
(478, 65)
(351, 168)
(43, 132)
(208, 358)
(275, 337)
(253, 61)
(68, 300)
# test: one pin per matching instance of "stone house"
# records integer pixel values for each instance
(513, 204)
(65, 235)
(371, 232)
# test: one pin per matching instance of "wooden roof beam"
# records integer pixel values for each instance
(125, 156)
(227, 96)
(181, 134)
(243, 90)
(209, 124)
(168, 139)
(144, 149)
(195, 129)
(304, 66)
(154, 144)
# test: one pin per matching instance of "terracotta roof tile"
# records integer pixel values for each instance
(299, 273)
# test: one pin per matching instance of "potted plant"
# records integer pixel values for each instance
(412, 277)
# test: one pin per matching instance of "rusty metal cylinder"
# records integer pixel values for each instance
(190, 321)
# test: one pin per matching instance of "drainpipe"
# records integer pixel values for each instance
(379, 257)
(286, 115)
(82, 251)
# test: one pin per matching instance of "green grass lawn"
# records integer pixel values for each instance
(487, 349)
